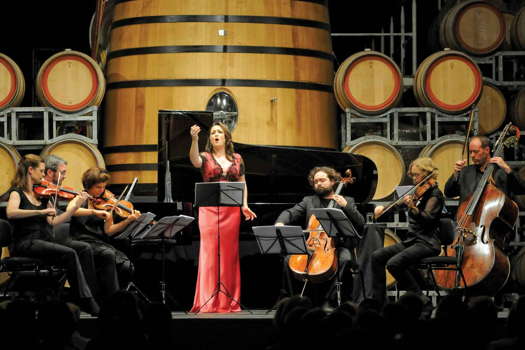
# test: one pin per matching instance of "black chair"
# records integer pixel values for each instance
(20, 273)
(446, 234)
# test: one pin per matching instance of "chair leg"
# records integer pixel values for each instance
(434, 283)
(362, 279)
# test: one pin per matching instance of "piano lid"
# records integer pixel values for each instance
(274, 174)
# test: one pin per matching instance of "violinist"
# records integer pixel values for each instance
(323, 181)
(55, 173)
(33, 217)
(466, 177)
(89, 225)
(424, 212)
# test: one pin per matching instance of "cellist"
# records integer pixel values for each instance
(323, 181)
(466, 177)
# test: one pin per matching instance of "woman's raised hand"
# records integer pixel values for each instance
(194, 132)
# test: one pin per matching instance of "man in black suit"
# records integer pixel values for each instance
(323, 181)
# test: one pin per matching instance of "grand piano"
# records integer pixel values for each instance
(276, 176)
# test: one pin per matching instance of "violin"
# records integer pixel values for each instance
(48, 189)
(423, 188)
(417, 191)
(108, 202)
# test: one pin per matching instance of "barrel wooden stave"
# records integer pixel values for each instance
(9, 158)
(492, 109)
(517, 109)
(80, 156)
(70, 81)
(476, 27)
(389, 162)
(449, 81)
(289, 115)
(445, 152)
(369, 82)
(12, 83)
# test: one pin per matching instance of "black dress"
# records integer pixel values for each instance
(33, 238)
(114, 268)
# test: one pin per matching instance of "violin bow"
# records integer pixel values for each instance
(119, 199)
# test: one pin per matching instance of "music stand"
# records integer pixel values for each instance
(335, 223)
(217, 194)
(137, 226)
(164, 229)
(282, 240)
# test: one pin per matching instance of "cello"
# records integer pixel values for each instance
(321, 264)
(485, 221)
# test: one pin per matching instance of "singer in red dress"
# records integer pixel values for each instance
(219, 163)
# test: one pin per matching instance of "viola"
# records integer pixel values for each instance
(108, 202)
(417, 191)
(48, 189)
(321, 264)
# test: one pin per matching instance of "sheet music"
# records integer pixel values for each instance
(167, 227)
(137, 226)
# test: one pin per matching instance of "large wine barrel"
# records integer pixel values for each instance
(273, 57)
(9, 158)
(509, 20)
(445, 152)
(520, 198)
(389, 162)
(390, 239)
(369, 82)
(80, 156)
(517, 30)
(12, 83)
(517, 109)
(70, 81)
(476, 27)
(492, 109)
(449, 81)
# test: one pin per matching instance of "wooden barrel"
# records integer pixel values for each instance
(9, 158)
(508, 17)
(80, 156)
(517, 30)
(520, 198)
(492, 109)
(70, 81)
(445, 152)
(12, 83)
(369, 82)
(273, 57)
(517, 109)
(449, 81)
(389, 162)
(390, 239)
(476, 27)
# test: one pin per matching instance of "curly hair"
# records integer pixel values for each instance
(333, 175)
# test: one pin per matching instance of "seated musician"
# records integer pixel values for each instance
(56, 173)
(90, 225)
(323, 180)
(465, 178)
(32, 218)
(424, 212)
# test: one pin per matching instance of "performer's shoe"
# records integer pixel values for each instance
(89, 305)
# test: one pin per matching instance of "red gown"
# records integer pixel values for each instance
(228, 218)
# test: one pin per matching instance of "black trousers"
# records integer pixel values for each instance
(398, 259)
(87, 261)
(114, 268)
(54, 253)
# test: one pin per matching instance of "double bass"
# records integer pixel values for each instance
(485, 221)
(321, 264)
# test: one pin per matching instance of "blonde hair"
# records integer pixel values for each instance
(425, 164)
(29, 160)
